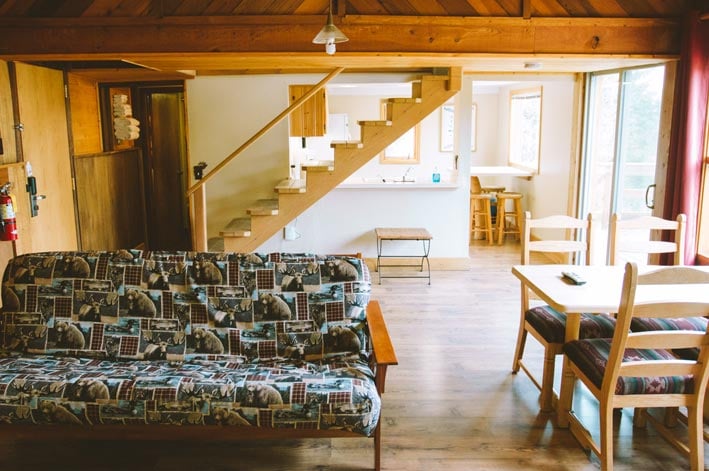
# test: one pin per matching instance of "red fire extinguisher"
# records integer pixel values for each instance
(8, 223)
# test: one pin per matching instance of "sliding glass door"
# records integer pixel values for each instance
(620, 149)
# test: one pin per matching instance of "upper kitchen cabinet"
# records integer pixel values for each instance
(309, 119)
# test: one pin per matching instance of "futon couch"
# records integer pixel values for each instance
(121, 344)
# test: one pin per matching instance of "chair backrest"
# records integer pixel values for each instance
(667, 292)
(635, 236)
(475, 187)
(576, 238)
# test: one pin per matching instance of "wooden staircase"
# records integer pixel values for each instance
(267, 217)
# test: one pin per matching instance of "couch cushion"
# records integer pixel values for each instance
(551, 324)
(130, 304)
(591, 356)
(38, 389)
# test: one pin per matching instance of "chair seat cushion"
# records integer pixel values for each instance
(591, 356)
(551, 324)
(644, 324)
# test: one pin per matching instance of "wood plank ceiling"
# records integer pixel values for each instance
(499, 8)
(256, 36)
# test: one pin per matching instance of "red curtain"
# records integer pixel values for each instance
(688, 124)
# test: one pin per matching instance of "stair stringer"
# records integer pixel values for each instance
(404, 115)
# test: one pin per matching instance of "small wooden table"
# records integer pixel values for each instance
(398, 234)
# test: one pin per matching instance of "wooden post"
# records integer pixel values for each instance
(198, 209)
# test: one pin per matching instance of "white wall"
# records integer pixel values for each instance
(224, 112)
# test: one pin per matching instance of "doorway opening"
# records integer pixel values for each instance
(160, 108)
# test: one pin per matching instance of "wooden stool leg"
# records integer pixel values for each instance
(488, 221)
(518, 211)
(501, 203)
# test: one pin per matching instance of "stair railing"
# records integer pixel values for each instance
(197, 193)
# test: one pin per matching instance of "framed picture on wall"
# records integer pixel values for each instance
(448, 128)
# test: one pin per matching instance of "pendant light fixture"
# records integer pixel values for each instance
(330, 34)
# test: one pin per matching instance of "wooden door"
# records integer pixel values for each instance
(45, 144)
(168, 224)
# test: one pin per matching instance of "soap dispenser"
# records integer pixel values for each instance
(436, 177)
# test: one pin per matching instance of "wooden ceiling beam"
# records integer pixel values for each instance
(368, 34)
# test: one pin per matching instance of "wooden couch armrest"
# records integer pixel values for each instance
(382, 347)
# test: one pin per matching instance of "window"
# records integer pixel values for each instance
(404, 150)
(525, 128)
(448, 127)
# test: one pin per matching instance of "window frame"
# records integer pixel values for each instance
(516, 128)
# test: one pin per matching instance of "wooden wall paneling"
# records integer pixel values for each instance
(45, 144)
(7, 121)
(85, 115)
(110, 200)
(15, 174)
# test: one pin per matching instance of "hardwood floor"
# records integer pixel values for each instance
(451, 403)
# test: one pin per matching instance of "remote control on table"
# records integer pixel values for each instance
(573, 277)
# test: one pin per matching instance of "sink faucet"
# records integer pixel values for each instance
(406, 174)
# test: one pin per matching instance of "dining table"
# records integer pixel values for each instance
(600, 293)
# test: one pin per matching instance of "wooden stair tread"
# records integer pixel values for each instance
(435, 77)
(318, 165)
(266, 207)
(379, 122)
(346, 144)
(238, 227)
(404, 100)
(291, 186)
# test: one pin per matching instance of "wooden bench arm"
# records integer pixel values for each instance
(381, 344)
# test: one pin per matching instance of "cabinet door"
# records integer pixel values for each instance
(310, 119)
(45, 144)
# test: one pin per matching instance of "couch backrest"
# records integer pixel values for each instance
(131, 304)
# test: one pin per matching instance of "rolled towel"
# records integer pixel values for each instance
(122, 110)
(127, 129)
(120, 98)
(126, 121)
(127, 135)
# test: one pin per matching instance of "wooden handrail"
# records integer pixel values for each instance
(265, 129)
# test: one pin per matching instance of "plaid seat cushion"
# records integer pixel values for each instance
(642, 324)
(591, 356)
(551, 324)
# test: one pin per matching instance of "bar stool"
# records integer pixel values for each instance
(481, 216)
(504, 217)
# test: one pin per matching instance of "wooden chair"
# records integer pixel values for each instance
(656, 228)
(620, 243)
(542, 322)
(638, 369)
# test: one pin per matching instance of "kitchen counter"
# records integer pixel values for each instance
(499, 171)
(359, 184)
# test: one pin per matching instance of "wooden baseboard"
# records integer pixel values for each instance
(437, 264)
